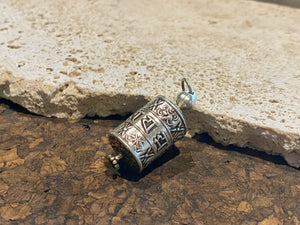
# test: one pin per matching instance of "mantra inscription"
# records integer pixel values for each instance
(151, 130)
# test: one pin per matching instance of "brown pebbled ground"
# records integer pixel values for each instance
(53, 171)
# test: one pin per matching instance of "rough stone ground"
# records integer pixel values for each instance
(71, 58)
(53, 171)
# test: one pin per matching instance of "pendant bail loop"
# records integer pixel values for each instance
(186, 81)
(186, 98)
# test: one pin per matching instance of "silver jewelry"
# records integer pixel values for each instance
(150, 131)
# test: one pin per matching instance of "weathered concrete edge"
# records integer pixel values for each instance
(223, 129)
(72, 102)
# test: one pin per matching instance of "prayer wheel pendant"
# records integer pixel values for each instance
(150, 131)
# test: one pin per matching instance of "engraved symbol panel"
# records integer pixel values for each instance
(135, 116)
(160, 141)
(169, 116)
(137, 141)
(147, 157)
(123, 128)
(154, 104)
(148, 124)
(133, 137)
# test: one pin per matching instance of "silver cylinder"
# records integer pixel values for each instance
(147, 133)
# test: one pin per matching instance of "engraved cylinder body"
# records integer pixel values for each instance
(147, 133)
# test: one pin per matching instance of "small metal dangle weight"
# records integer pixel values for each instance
(150, 131)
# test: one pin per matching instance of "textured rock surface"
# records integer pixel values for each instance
(72, 58)
(53, 177)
